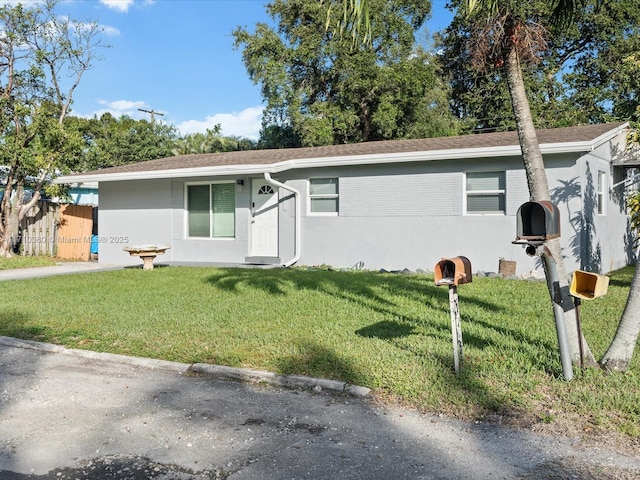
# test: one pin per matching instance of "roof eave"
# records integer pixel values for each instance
(368, 159)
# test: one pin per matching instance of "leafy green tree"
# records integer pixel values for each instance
(322, 90)
(604, 80)
(210, 142)
(278, 136)
(633, 205)
(110, 141)
(586, 73)
(42, 60)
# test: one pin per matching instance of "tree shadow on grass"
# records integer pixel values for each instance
(488, 400)
(312, 357)
(386, 329)
(369, 289)
(377, 292)
(16, 324)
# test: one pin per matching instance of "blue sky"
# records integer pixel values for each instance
(176, 57)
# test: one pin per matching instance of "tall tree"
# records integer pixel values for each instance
(323, 91)
(507, 36)
(111, 141)
(585, 74)
(42, 60)
(210, 142)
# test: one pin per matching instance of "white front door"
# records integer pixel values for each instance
(264, 224)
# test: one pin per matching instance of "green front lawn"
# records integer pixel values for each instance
(388, 332)
(18, 261)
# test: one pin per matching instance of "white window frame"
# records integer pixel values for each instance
(186, 212)
(312, 197)
(468, 193)
(601, 193)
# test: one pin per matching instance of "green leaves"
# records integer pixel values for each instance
(321, 90)
(108, 141)
(355, 19)
(588, 73)
(633, 207)
(40, 53)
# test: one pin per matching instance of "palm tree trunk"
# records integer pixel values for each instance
(620, 352)
(539, 190)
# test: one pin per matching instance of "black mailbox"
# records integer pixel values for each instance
(537, 222)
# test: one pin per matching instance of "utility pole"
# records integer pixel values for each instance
(152, 113)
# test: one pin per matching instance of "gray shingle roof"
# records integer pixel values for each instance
(583, 133)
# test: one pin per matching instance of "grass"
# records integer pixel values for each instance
(18, 261)
(389, 332)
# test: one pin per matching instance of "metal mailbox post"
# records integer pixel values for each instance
(453, 272)
(537, 222)
(587, 286)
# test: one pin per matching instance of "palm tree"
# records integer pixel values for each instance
(506, 39)
(516, 34)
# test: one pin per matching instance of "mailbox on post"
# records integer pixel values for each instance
(453, 271)
(537, 222)
(587, 285)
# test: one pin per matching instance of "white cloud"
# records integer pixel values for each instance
(120, 5)
(111, 31)
(123, 5)
(246, 123)
(118, 108)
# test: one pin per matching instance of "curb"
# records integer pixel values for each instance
(215, 371)
(290, 381)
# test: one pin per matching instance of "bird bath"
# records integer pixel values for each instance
(147, 253)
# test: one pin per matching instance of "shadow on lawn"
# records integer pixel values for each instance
(16, 324)
(376, 292)
(312, 357)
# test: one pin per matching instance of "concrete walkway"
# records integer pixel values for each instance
(63, 268)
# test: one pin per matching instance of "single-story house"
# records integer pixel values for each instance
(381, 205)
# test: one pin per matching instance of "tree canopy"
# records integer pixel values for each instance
(43, 57)
(210, 142)
(320, 89)
(109, 141)
(588, 71)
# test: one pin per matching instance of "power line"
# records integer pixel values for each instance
(153, 113)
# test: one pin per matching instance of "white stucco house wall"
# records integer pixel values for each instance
(383, 205)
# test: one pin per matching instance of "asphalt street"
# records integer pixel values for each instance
(66, 414)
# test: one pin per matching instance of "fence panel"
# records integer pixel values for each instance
(74, 232)
(38, 229)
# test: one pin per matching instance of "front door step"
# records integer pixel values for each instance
(263, 260)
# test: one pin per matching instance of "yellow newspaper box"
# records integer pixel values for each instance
(588, 285)
(452, 271)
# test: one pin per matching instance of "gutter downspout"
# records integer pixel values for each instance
(296, 195)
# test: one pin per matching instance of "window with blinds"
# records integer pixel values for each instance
(323, 196)
(211, 210)
(602, 193)
(485, 192)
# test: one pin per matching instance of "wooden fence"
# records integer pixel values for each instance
(38, 229)
(74, 232)
(58, 230)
